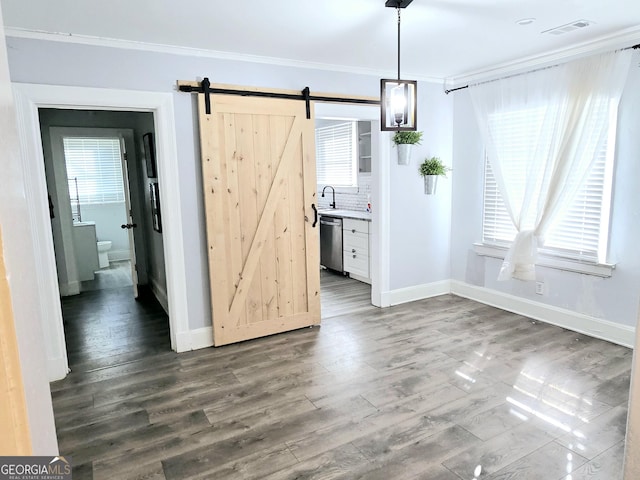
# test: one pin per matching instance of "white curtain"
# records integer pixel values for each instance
(559, 113)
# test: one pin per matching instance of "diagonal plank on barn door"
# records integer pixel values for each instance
(258, 161)
(253, 256)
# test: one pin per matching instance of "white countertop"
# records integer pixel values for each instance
(345, 213)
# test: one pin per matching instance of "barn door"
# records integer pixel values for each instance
(258, 163)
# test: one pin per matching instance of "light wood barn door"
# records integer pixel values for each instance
(258, 163)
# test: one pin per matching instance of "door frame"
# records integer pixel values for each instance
(380, 192)
(29, 98)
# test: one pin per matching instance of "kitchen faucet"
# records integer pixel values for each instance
(332, 205)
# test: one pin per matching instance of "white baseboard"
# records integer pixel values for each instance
(160, 293)
(578, 322)
(118, 255)
(418, 292)
(57, 368)
(201, 338)
(68, 289)
(194, 339)
(359, 278)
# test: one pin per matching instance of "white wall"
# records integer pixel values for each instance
(81, 65)
(108, 218)
(421, 224)
(22, 271)
(614, 299)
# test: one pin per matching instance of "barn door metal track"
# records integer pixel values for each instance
(305, 95)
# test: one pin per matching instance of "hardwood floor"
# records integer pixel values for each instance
(116, 275)
(440, 389)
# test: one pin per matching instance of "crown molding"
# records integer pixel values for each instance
(203, 53)
(621, 39)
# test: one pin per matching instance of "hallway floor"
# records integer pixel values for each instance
(117, 275)
(108, 327)
(439, 389)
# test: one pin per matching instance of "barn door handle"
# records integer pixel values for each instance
(315, 215)
(129, 225)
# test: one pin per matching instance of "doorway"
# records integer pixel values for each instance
(90, 201)
(344, 177)
(98, 184)
(29, 98)
(379, 187)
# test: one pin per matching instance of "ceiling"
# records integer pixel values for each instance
(440, 38)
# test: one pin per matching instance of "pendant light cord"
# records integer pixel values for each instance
(398, 42)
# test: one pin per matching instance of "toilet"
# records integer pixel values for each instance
(103, 253)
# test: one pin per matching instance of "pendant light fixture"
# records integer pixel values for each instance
(398, 98)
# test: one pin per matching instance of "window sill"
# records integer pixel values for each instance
(604, 270)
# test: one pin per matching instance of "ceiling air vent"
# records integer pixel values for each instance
(569, 27)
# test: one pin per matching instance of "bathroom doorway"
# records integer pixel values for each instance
(92, 163)
(120, 195)
(107, 235)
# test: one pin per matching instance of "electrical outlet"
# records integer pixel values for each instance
(540, 288)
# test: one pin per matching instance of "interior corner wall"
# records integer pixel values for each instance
(421, 224)
(614, 299)
(155, 261)
(21, 270)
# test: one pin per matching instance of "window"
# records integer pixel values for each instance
(581, 228)
(336, 154)
(94, 169)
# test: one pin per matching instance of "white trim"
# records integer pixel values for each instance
(196, 339)
(30, 97)
(380, 227)
(44, 256)
(559, 263)
(577, 322)
(417, 292)
(360, 278)
(160, 293)
(201, 338)
(68, 289)
(622, 39)
(55, 367)
(204, 53)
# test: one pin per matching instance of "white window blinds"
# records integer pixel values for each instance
(581, 228)
(94, 164)
(336, 155)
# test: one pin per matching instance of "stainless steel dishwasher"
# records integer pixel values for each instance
(331, 242)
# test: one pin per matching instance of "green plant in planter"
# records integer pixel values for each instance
(433, 166)
(407, 138)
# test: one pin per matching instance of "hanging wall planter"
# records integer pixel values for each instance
(404, 153)
(430, 170)
(404, 142)
(430, 184)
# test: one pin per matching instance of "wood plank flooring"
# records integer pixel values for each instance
(116, 275)
(440, 389)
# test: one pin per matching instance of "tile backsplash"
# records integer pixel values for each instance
(349, 201)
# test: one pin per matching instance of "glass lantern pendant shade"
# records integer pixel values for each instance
(398, 98)
(398, 104)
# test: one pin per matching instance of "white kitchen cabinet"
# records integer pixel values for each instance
(355, 245)
(364, 147)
